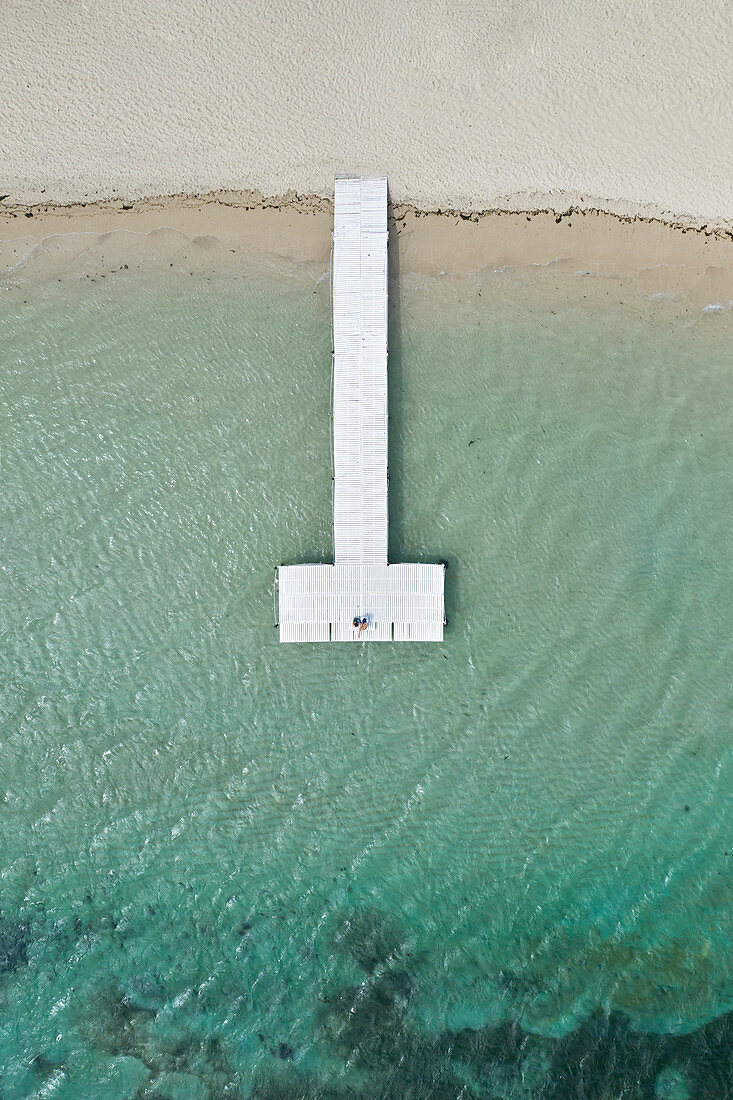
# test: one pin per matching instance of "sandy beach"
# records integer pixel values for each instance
(564, 139)
(470, 105)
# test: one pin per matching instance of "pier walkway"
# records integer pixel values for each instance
(320, 603)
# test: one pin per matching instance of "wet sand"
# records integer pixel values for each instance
(230, 231)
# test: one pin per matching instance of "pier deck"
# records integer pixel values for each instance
(360, 372)
(318, 603)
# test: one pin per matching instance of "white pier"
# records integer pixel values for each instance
(319, 603)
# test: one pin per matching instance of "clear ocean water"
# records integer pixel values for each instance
(500, 867)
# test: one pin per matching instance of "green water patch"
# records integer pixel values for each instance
(496, 867)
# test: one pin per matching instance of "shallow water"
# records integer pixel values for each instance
(497, 867)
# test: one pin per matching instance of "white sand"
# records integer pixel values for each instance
(475, 104)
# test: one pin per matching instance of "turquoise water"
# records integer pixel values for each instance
(498, 867)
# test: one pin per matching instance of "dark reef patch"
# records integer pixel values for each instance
(120, 1027)
(603, 1058)
(371, 938)
(367, 1027)
(15, 938)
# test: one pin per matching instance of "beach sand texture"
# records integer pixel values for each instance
(477, 105)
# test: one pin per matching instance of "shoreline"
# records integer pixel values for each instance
(473, 108)
(560, 204)
(224, 231)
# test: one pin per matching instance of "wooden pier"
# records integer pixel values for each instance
(360, 597)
